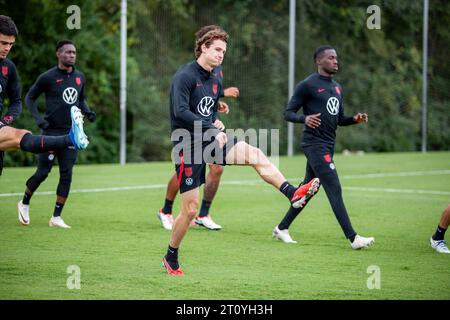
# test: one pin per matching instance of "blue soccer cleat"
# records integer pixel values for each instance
(76, 134)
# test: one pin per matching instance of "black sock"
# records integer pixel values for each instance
(288, 190)
(40, 144)
(352, 238)
(172, 257)
(58, 208)
(439, 234)
(26, 198)
(167, 209)
(204, 210)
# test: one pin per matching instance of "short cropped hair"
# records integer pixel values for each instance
(8, 27)
(207, 35)
(62, 43)
(318, 52)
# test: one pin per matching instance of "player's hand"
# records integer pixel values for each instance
(313, 120)
(232, 92)
(43, 124)
(219, 125)
(223, 107)
(91, 115)
(361, 117)
(222, 139)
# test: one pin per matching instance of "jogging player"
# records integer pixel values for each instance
(437, 240)
(15, 139)
(193, 105)
(64, 86)
(321, 98)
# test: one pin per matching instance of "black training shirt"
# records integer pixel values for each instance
(318, 94)
(62, 91)
(194, 95)
(9, 87)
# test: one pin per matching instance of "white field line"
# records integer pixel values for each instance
(260, 182)
(397, 174)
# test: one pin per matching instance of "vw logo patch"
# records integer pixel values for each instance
(333, 106)
(1, 89)
(51, 156)
(189, 181)
(205, 105)
(70, 95)
(332, 166)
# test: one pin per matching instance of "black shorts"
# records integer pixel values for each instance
(191, 173)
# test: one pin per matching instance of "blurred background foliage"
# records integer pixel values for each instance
(380, 70)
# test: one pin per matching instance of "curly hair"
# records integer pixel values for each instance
(206, 35)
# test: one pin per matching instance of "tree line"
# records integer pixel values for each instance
(380, 69)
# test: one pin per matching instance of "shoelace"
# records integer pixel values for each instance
(441, 244)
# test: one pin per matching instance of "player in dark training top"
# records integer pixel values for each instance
(212, 182)
(12, 138)
(198, 139)
(64, 87)
(321, 98)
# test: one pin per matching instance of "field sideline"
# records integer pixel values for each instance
(117, 241)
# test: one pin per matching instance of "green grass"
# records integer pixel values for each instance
(118, 243)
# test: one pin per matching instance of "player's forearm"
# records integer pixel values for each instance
(84, 107)
(292, 116)
(346, 121)
(33, 107)
(14, 110)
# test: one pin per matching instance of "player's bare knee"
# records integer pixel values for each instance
(192, 208)
(257, 157)
(216, 170)
(18, 135)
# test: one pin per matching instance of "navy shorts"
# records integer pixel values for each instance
(191, 173)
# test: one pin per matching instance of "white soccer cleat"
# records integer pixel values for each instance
(24, 213)
(166, 220)
(282, 235)
(58, 222)
(362, 242)
(439, 245)
(207, 222)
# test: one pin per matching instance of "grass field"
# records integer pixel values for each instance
(117, 241)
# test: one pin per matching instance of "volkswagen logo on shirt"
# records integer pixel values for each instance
(333, 106)
(70, 95)
(205, 105)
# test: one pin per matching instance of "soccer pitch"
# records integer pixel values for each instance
(117, 242)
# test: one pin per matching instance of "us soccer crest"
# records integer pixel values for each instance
(4, 71)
